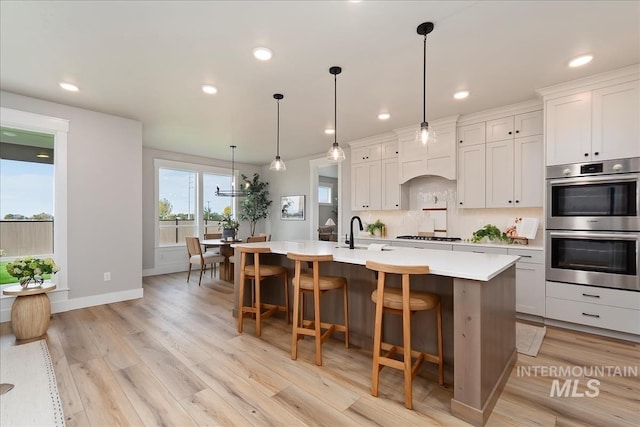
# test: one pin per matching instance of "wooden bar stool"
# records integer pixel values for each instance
(316, 285)
(403, 302)
(256, 272)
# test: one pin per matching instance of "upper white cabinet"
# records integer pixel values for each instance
(593, 119)
(375, 174)
(500, 160)
(434, 158)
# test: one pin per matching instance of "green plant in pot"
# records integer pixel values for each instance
(489, 231)
(379, 226)
(255, 206)
(228, 224)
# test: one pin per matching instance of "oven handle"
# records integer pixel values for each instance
(594, 236)
(591, 179)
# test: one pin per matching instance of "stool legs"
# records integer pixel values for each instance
(440, 352)
(377, 336)
(241, 294)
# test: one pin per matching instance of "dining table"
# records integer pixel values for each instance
(225, 250)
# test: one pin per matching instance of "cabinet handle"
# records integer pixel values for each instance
(590, 295)
(597, 316)
(586, 154)
(510, 132)
(517, 131)
(528, 256)
(460, 141)
(509, 201)
(396, 205)
(596, 153)
(517, 201)
(396, 152)
(460, 202)
(477, 252)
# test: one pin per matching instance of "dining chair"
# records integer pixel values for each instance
(197, 257)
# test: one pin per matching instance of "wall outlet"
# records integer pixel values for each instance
(107, 276)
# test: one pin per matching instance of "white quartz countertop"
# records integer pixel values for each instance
(465, 265)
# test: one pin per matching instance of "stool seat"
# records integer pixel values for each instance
(326, 282)
(418, 301)
(265, 270)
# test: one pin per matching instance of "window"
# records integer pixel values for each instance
(187, 204)
(325, 193)
(26, 195)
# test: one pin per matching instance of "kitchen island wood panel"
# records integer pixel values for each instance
(478, 295)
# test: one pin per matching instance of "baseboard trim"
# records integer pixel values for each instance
(62, 305)
(166, 270)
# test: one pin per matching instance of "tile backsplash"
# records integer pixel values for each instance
(430, 191)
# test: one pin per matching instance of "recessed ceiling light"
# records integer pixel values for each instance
(384, 116)
(42, 156)
(69, 86)
(262, 53)
(580, 61)
(9, 133)
(461, 94)
(329, 131)
(208, 89)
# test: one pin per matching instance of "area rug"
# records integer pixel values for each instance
(34, 399)
(529, 338)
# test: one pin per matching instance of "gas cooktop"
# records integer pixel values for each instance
(435, 238)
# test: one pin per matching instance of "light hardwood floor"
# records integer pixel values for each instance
(175, 358)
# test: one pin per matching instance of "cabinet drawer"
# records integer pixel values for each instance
(600, 316)
(529, 256)
(480, 249)
(593, 295)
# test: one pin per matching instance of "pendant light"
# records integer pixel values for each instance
(424, 134)
(233, 192)
(277, 164)
(335, 153)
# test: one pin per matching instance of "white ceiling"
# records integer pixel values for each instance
(147, 60)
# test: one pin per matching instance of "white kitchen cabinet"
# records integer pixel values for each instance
(599, 124)
(528, 124)
(473, 134)
(515, 173)
(605, 308)
(530, 284)
(390, 150)
(391, 194)
(499, 129)
(471, 176)
(375, 174)
(499, 174)
(615, 114)
(367, 153)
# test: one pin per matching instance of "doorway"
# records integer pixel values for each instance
(324, 208)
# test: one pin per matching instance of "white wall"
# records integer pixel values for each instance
(104, 191)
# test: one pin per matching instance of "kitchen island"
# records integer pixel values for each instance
(478, 298)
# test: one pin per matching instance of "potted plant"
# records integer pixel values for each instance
(31, 270)
(489, 231)
(376, 226)
(255, 206)
(228, 224)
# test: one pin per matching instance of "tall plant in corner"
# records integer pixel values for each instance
(255, 206)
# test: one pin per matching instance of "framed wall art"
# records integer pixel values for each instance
(292, 208)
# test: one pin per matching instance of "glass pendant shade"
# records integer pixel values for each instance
(335, 153)
(426, 134)
(278, 164)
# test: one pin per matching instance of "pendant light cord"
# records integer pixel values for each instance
(335, 108)
(424, 82)
(278, 132)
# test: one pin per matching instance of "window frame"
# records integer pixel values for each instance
(199, 170)
(330, 187)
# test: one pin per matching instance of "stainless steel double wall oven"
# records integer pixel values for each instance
(593, 225)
